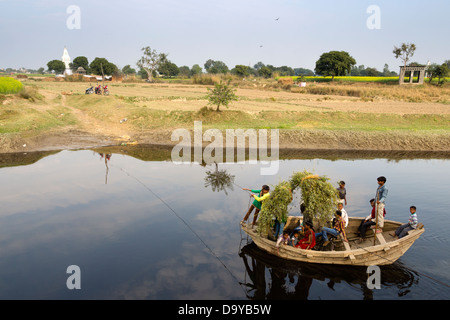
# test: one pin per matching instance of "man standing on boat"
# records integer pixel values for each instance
(380, 197)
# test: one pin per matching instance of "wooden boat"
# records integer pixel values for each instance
(386, 250)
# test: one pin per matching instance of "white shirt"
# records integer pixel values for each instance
(345, 216)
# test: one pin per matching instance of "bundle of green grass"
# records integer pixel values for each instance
(318, 195)
(9, 85)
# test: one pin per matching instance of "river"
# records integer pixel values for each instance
(138, 226)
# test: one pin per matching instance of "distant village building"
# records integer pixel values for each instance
(412, 69)
(81, 70)
(66, 59)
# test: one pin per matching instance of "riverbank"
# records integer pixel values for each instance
(58, 115)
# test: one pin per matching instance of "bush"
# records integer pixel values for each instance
(10, 85)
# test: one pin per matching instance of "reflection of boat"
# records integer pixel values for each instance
(386, 249)
(276, 278)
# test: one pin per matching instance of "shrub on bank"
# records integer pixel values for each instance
(10, 85)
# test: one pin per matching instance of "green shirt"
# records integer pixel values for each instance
(258, 200)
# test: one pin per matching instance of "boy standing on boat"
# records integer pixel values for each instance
(263, 194)
(380, 198)
(342, 193)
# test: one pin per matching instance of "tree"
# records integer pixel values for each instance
(405, 52)
(265, 72)
(241, 70)
(80, 62)
(56, 65)
(259, 65)
(100, 66)
(303, 72)
(150, 61)
(334, 63)
(221, 95)
(184, 71)
(215, 67)
(168, 68)
(128, 70)
(441, 72)
(196, 69)
(41, 70)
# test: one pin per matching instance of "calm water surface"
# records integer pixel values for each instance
(112, 219)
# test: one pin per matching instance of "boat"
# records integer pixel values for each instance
(376, 250)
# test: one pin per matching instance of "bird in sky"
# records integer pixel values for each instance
(277, 19)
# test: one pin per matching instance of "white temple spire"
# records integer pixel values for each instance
(66, 59)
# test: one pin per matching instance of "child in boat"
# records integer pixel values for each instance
(411, 225)
(283, 239)
(309, 240)
(263, 194)
(340, 207)
(368, 221)
(337, 229)
(295, 238)
(342, 193)
(380, 197)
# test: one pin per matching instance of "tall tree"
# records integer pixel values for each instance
(56, 65)
(168, 68)
(150, 61)
(80, 61)
(196, 69)
(241, 70)
(215, 67)
(100, 66)
(334, 63)
(128, 70)
(404, 52)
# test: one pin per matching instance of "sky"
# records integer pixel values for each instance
(278, 32)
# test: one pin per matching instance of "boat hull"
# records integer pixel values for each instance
(385, 251)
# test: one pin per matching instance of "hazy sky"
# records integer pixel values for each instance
(235, 32)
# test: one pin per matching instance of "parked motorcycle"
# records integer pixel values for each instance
(105, 91)
(89, 90)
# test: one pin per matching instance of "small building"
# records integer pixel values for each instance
(412, 69)
(81, 70)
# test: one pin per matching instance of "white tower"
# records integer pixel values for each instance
(66, 59)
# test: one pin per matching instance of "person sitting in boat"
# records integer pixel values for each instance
(283, 239)
(340, 207)
(309, 239)
(338, 228)
(368, 222)
(411, 225)
(295, 238)
(263, 194)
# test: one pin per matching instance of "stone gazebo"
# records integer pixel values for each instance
(81, 70)
(420, 69)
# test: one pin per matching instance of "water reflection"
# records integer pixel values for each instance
(293, 280)
(219, 180)
(107, 157)
(78, 207)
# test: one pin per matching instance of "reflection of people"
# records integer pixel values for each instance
(368, 221)
(263, 194)
(380, 198)
(309, 240)
(411, 225)
(342, 193)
